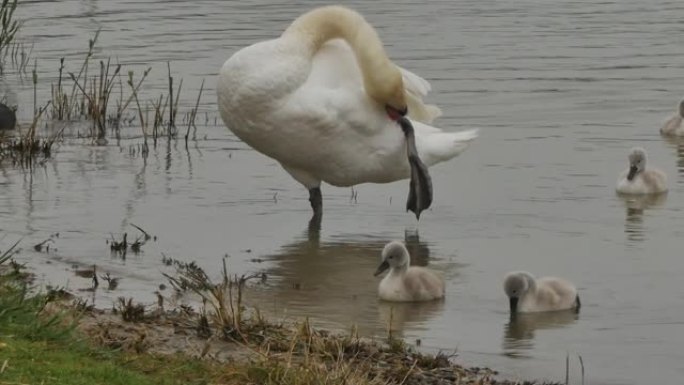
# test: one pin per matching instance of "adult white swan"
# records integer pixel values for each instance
(324, 100)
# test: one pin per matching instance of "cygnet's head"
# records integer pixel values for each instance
(394, 255)
(516, 284)
(637, 162)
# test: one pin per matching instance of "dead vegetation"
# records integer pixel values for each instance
(28, 149)
(104, 97)
(299, 353)
(239, 346)
(8, 30)
(130, 311)
(120, 248)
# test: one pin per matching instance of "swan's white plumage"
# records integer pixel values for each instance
(314, 115)
(645, 181)
(416, 89)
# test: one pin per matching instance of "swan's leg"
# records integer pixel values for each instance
(316, 199)
(420, 190)
(314, 186)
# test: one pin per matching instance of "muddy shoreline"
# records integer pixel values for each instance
(178, 332)
(225, 330)
(221, 328)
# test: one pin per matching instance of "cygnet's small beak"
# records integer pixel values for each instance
(395, 113)
(383, 266)
(513, 302)
(632, 172)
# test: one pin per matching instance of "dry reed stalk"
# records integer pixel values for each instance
(193, 114)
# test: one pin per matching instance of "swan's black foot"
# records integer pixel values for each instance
(316, 199)
(420, 189)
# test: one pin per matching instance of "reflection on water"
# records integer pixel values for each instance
(519, 332)
(334, 282)
(555, 126)
(636, 205)
(397, 317)
(677, 143)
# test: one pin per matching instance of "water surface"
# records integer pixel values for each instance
(560, 91)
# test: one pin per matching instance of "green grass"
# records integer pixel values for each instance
(40, 362)
(39, 346)
(43, 347)
(61, 357)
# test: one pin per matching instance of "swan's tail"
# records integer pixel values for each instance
(441, 146)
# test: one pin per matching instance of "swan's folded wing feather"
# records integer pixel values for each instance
(414, 83)
(416, 89)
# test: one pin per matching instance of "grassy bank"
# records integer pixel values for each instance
(42, 345)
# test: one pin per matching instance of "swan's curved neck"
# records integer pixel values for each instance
(681, 109)
(382, 79)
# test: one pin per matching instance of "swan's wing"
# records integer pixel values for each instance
(334, 66)
(416, 89)
(423, 284)
(555, 293)
(334, 96)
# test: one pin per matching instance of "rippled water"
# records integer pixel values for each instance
(560, 90)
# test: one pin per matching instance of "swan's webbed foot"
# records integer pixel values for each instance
(420, 189)
(316, 199)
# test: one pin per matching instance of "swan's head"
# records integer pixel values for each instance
(637, 162)
(394, 256)
(516, 284)
(387, 88)
(681, 108)
(395, 102)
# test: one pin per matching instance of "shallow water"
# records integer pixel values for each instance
(561, 91)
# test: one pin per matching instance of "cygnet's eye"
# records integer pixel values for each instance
(390, 257)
